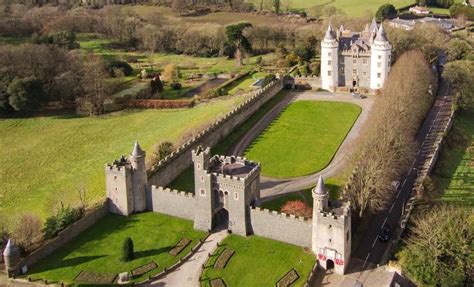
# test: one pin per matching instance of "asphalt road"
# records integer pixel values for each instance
(371, 250)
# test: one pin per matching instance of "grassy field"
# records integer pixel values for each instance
(259, 262)
(99, 249)
(304, 138)
(185, 181)
(455, 170)
(350, 7)
(244, 85)
(46, 159)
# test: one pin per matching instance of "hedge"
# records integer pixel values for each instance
(160, 104)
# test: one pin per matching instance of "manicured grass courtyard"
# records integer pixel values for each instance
(259, 262)
(98, 249)
(46, 159)
(244, 85)
(304, 138)
(455, 169)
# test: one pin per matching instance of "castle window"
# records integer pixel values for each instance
(329, 73)
(347, 235)
(329, 227)
(364, 61)
(330, 240)
(115, 177)
(199, 166)
(236, 195)
(329, 63)
(379, 75)
(354, 61)
(354, 72)
(329, 54)
(364, 73)
(379, 57)
(202, 192)
(202, 178)
(379, 64)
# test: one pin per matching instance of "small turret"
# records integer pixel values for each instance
(11, 256)
(381, 36)
(139, 178)
(329, 60)
(320, 196)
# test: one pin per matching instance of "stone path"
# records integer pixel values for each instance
(271, 187)
(187, 275)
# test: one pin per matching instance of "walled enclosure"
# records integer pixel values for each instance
(174, 164)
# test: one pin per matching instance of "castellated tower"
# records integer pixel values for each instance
(331, 238)
(225, 189)
(126, 183)
(329, 61)
(381, 52)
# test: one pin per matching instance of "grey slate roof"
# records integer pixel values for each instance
(320, 187)
(11, 248)
(329, 34)
(137, 150)
(381, 36)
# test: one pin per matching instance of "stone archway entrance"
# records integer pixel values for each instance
(329, 265)
(221, 219)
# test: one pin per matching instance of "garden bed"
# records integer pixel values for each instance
(288, 279)
(144, 269)
(224, 258)
(96, 278)
(219, 282)
(180, 246)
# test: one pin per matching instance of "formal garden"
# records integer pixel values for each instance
(97, 255)
(256, 261)
(303, 139)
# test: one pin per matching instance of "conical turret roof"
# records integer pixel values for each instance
(373, 26)
(137, 150)
(11, 248)
(320, 187)
(381, 36)
(329, 34)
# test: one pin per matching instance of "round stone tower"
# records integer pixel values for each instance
(329, 61)
(320, 197)
(380, 59)
(11, 257)
(139, 178)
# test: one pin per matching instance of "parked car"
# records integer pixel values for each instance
(395, 184)
(384, 234)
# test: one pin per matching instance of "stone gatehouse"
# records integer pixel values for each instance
(227, 192)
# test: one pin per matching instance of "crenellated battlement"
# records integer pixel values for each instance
(154, 188)
(280, 214)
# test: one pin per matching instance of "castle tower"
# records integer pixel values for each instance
(329, 61)
(11, 257)
(203, 191)
(331, 234)
(126, 183)
(139, 178)
(380, 58)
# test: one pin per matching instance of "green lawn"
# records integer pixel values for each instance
(44, 160)
(455, 169)
(334, 184)
(303, 139)
(185, 181)
(350, 7)
(99, 248)
(244, 84)
(259, 262)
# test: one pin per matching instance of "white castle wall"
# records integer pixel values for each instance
(329, 64)
(379, 64)
(281, 227)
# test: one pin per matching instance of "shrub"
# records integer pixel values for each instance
(164, 149)
(386, 11)
(298, 208)
(28, 232)
(176, 86)
(169, 72)
(114, 66)
(26, 94)
(127, 250)
(161, 104)
(258, 60)
(63, 218)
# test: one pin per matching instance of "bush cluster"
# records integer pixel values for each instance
(161, 104)
(62, 219)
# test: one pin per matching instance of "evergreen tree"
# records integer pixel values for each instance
(127, 250)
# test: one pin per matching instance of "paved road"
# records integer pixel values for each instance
(187, 275)
(271, 187)
(371, 250)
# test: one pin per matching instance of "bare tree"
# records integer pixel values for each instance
(94, 84)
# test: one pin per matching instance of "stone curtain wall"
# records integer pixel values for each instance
(65, 236)
(172, 202)
(171, 166)
(281, 227)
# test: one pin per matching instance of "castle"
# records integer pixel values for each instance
(355, 60)
(227, 192)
